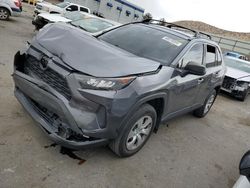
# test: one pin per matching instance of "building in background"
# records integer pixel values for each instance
(118, 10)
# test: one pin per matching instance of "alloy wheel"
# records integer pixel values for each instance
(3, 14)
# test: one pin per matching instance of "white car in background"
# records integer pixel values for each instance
(10, 8)
(44, 18)
(87, 22)
(59, 8)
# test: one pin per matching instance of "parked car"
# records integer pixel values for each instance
(45, 18)
(244, 180)
(10, 8)
(236, 55)
(116, 88)
(59, 8)
(237, 79)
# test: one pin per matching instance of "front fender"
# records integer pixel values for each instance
(4, 5)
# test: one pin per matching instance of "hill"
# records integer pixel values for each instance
(200, 26)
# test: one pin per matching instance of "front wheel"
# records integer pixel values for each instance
(4, 13)
(244, 95)
(205, 108)
(136, 132)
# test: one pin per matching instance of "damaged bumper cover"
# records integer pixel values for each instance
(56, 129)
(82, 120)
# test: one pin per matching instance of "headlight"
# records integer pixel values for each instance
(88, 82)
(241, 85)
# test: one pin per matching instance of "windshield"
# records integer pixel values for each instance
(62, 5)
(146, 42)
(75, 16)
(92, 25)
(238, 64)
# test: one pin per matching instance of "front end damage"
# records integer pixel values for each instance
(236, 87)
(68, 118)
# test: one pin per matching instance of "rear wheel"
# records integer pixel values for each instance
(205, 108)
(136, 132)
(4, 13)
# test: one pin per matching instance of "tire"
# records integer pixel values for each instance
(244, 95)
(4, 13)
(136, 132)
(205, 108)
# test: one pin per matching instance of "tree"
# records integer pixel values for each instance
(162, 22)
(147, 16)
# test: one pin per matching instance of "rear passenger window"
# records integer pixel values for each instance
(84, 9)
(195, 54)
(210, 56)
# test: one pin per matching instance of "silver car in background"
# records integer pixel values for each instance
(10, 8)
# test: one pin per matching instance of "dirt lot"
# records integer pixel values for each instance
(190, 152)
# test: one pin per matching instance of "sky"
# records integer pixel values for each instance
(225, 14)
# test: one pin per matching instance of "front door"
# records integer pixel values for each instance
(184, 93)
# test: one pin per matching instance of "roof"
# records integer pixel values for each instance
(181, 31)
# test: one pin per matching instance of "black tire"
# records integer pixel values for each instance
(244, 95)
(4, 13)
(202, 111)
(119, 145)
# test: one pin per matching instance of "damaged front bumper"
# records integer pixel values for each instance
(74, 121)
(30, 96)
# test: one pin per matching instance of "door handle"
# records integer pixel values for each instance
(200, 80)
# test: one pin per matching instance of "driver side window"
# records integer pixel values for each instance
(195, 54)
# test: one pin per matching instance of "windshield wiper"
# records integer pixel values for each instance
(81, 27)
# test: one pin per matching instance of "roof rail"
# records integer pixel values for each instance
(172, 25)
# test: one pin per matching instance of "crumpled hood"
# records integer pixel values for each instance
(237, 74)
(54, 17)
(88, 55)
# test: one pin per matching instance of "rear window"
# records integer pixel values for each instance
(74, 15)
(62, 5)
(146, 42)
(92, 25)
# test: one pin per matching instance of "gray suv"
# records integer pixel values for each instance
(116, 88)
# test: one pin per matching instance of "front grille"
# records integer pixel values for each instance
(40, 22)
(228, 82)
(49, 76)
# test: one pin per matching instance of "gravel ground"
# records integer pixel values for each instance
(189, 152)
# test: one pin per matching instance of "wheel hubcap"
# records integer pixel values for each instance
(209, 103)
(3, 14)
(139, 132)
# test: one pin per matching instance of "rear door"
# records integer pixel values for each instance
(183, 95)
(213, 64)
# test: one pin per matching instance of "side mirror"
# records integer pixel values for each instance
(69, 9)
(245, 165)
(195, 68)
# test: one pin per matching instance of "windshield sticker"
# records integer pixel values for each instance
(172, 41)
